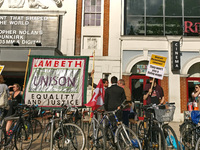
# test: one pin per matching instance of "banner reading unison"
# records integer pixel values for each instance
(56, 80)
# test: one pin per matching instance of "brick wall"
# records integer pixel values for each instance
(183, 94)
(164, 85)
(78, 28)
(126, 79)
(106, 27)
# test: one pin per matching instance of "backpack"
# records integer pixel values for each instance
(4, 99)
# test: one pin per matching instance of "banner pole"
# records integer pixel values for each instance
(92, 70)
(26, 68)
(152, 83)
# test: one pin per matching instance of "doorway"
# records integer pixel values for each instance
(191, 82)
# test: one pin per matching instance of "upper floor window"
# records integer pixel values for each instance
(92, 13)
(162, 17)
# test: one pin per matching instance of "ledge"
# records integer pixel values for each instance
(33, 12)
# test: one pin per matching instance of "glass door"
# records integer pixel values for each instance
(137, 83)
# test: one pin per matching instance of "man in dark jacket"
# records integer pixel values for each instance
(114, 97)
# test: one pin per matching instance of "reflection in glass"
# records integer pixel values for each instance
(154, 26)
(135, 26)
(173, 26)
(139, 68)
(92, 13)
(135, 7)
(173, 7)
(192, 7)
(154, 7)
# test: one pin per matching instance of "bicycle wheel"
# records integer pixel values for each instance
(198, 145)
(3, 138)
(127, 139)
(171, 138)
(188, 135)
(95, 137)
(71, 137)
(140, 131)
(156, 139)
(109, 139)
(37, 129)
(23, 136)
(46, 138)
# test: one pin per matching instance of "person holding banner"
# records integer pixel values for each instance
(153, 93)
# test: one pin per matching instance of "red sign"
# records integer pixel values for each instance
(190, 27)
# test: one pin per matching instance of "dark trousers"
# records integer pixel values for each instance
(126, 117)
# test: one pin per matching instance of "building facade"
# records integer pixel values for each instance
(122, 34)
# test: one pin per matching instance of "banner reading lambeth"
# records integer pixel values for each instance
(56, 80)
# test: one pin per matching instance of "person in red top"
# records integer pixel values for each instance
(154, 95)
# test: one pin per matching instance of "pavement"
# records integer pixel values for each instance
(175, 126)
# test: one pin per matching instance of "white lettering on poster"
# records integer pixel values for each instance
(9, 35)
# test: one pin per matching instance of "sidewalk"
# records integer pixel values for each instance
(175, 126)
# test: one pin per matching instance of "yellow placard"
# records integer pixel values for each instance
(1, 68)
(158, 60)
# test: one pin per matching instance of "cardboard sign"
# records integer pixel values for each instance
(1, 68)
(156, 66)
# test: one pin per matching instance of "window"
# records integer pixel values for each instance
(162, 17)
(92, 13)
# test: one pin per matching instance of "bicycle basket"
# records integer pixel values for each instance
(165, 115)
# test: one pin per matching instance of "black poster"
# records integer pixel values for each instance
(175, 55)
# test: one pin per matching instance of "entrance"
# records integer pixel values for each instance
(137, 84)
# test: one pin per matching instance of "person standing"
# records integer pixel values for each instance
(16, 98)
(114, 97)
(126, 111)
(154, 95)
(196, 96)
(3, 87)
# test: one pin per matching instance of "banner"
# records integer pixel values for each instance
(56, 80)
(156, 66)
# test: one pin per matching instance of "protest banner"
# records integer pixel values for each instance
(1, 68)
(56, 80)
(156, 66)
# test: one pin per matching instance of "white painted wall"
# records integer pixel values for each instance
(68, 28)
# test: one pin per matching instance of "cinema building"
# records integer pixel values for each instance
(121, 33)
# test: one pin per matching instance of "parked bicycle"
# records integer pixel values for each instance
(58, 134)
(20, 134)
(149, 131)
(95, 135)
(190, 131)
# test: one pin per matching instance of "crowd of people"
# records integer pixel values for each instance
(115, 95)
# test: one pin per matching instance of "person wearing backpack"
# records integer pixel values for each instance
(4, 95)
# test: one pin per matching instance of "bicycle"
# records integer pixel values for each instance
(20, 131)
(95, 135)
(36, 125)
(190, 132)
(64, 136)
(149, 131)
(118, 135)
(164, 116)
